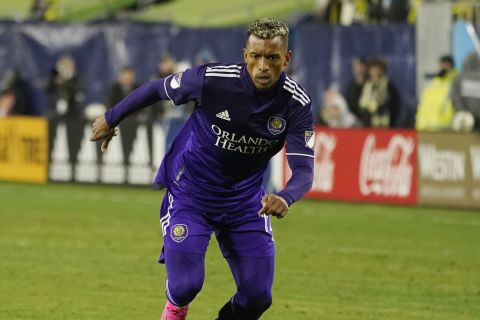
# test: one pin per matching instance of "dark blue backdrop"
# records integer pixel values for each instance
(322, 53)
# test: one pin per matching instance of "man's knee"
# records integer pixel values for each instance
(185, 272)
(183, 291)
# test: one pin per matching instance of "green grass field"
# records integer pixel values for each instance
(89, 252)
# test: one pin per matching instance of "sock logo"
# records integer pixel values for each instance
(179, 232)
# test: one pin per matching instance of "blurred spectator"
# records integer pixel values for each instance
(465, 10)
(204, 56)
(383, 11)
(333, 11)
(361, 10)
(126, 83)
(165, 67)
(435, 111)
(38, 9)
(465, 91)
(345, 12)
(64, 90)
(398, 10)
(45, 9)
(335, 112)
(413, 10)
(14, 97)
(376, 11)
(379, 102)
(353, 91)
(336, 11)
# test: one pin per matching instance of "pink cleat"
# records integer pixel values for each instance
(172, 312)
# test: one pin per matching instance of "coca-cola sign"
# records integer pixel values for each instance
(387, 171)
(365, 165)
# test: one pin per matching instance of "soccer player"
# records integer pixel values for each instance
(244, 113)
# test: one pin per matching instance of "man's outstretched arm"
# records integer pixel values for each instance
(104, 125)
(179, 88)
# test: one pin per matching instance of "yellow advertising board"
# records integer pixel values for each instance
(24, 149)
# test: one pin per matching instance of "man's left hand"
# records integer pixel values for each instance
(273, 205)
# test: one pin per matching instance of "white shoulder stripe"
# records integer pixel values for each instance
(296, 96)
(225, 75)
(300, 154)
(294, 91)
(297, 90)
(287, 78)
(234, 66)
(223, 70)
(303, 103)
(297, 87)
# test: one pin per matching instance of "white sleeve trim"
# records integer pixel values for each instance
(300, 154)
(165, 87)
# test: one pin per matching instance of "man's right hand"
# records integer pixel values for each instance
(102, 131)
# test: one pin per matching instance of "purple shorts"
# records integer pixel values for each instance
(188, 228)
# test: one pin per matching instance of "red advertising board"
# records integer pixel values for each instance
(365, 165)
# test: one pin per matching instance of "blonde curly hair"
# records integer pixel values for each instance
(266, 28)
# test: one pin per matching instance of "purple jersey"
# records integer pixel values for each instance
(219, 157)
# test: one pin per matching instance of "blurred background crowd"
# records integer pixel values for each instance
(371, 76)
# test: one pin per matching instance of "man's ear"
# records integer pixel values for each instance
(245, 54)
(288, 57)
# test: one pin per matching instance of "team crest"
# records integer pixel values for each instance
(176, 80)
(276, 125)
(178, 232)
(310, 139)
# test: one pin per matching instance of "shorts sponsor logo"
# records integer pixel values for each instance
(276, 125)
(179, 232)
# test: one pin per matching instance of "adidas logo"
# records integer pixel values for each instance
(224, 115)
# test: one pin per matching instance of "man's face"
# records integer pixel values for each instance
(127, 77)
(359, 68)
(445, 66)
(265, 59)
(375, 72)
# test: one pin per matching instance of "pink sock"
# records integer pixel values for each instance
(172, 312)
